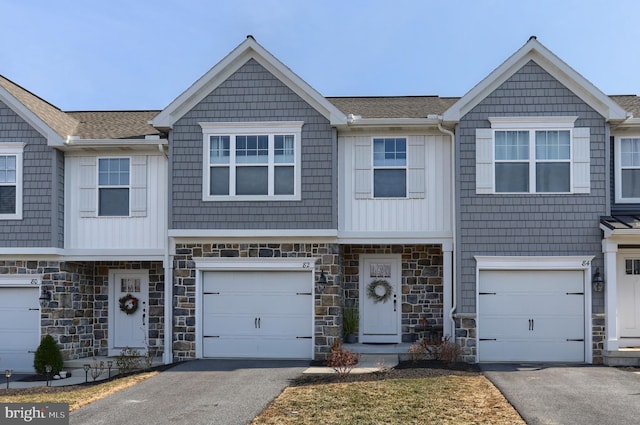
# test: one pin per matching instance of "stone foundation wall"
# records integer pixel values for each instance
(466, 337)
(422, 289)
(328, 298)
(598, 335)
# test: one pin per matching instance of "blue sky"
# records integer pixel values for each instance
(141, 54)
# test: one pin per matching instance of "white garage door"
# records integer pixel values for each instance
(531, 316)
(257, 314)
(19, 327)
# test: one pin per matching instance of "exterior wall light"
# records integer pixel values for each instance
(597, 281)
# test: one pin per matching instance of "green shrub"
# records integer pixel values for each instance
(48, 353)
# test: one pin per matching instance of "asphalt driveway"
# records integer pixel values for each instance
(221, 392)
(567, 395)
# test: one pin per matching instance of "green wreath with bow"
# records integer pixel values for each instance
(129, 304)
(379, 290)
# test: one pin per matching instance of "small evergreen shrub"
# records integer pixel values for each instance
(48, 353)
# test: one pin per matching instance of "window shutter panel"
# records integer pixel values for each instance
(138, 186)
(417, 164)
(581, 160)
(88, 187)
(484, 161)
(363, 176)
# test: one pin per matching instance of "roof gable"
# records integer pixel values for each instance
(45, 118)
(533, 50)
(248, 49)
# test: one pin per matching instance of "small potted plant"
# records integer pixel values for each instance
(350, 324)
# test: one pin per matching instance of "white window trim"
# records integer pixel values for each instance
(617, 141)
(17, 149)
(404, 167)
(531, 125)
(269, 128)
(99, 186)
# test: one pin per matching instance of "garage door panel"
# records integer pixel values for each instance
(257, 314)
(272, 347)
(531, 315)
(19, 327)
(532, 351)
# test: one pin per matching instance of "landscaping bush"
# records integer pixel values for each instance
(342, 361)
(48, 353)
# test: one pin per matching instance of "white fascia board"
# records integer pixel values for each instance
(253, 234)
(256, 263)
(534, 50)
(629, 235)
(248, 49)
(394, 122)
(629, 123)
(409, 237)
(41, 253)
(114, 254)
(83, 144)
(578, 262)
(53, 138)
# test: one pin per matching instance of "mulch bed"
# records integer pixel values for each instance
(404, 370)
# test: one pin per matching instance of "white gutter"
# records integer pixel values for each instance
(453, 230)
(358, 121)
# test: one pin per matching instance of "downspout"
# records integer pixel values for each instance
(167, 356)
(454, 299)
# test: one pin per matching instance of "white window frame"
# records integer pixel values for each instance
(17, 150)
(268, 128)
(532, 125)
(99, 186)
(404, 167)
(618, 169)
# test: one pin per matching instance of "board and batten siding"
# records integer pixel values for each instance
(142, 230)
(253, 94)
(527, 224)
(425, 212)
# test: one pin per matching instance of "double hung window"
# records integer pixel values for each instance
(389, 168)
(113, 186)
(628, 170)
(11, 181)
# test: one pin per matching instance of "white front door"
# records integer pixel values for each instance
(629, 300)
(128, 325)
(380, 298)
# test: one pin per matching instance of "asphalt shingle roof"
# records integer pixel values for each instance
(393, 106)
(114, 124)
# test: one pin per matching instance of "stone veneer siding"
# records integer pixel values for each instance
(328, 299)
(77, 316)
(466, 337)
(421, 282)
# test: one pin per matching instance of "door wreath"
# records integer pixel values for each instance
(129, 304)
(379, 291)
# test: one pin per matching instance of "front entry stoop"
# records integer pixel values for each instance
(622, 357)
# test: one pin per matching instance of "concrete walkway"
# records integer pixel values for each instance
(568, 395)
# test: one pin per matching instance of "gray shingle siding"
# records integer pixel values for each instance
(253, 94)
(520, 225)
(35, 229)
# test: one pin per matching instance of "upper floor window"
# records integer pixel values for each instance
(627, 169)
(532, 161)
(533, 155)
(389, 168)
(113, 186)
(11, 181)
(252, 161)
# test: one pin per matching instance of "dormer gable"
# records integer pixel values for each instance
(247, 50)
(534, 51)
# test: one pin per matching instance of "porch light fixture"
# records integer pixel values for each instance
(597, 281)
(7, 374)
(45, 297)
(322, 282)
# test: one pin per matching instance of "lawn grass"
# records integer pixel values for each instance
(438, 400)
(75, 396)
